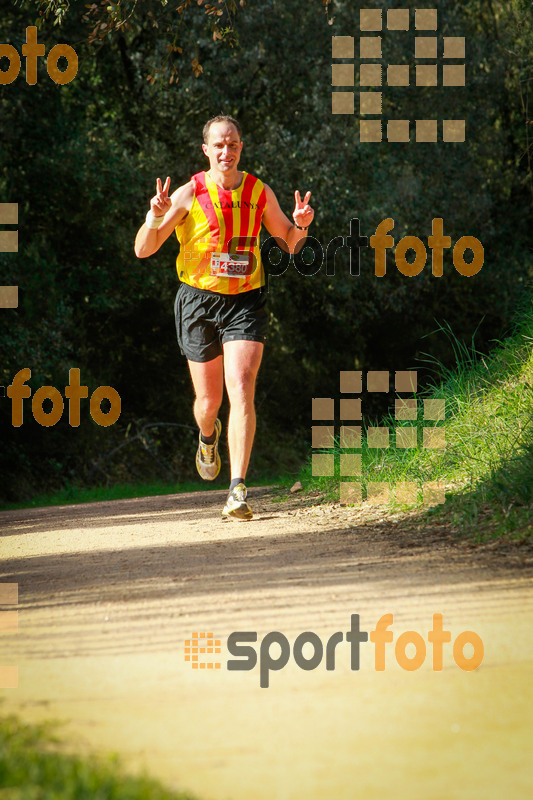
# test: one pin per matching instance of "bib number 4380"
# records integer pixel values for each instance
(235, 264)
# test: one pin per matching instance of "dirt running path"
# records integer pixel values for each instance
(109, 592)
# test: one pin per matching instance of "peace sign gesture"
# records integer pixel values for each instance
(161, 202)
(303, 213)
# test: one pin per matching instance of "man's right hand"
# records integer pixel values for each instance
(174, 209)
(161, 202)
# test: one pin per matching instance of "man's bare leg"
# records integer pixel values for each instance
(208, 381)
(241, 364)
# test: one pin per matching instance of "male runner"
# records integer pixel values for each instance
(220, 316)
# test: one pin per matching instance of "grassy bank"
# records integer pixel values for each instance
(35, 766)
(486, 466)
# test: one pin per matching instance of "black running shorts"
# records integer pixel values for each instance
(205, 320)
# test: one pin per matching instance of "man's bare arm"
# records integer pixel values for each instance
(174, 209)
(278, 224)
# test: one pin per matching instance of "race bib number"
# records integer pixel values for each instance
(231, 265)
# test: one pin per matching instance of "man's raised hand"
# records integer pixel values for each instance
(161, 202)
(303, 213)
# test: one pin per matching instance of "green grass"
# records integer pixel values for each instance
(35, 766)
(487, 464)
(70, 495)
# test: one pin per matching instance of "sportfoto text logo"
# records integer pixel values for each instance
(410, 253)
(18, 390)
(31, 50)
(275, 649)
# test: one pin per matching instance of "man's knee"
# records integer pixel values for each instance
(208, 405)
(241, 385)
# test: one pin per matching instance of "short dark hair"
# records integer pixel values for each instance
(220, 118)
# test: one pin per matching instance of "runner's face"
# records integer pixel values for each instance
(223, 147)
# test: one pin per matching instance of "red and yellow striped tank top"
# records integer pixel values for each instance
(219, 218)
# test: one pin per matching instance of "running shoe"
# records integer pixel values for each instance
(207, 457)
(236, 505)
